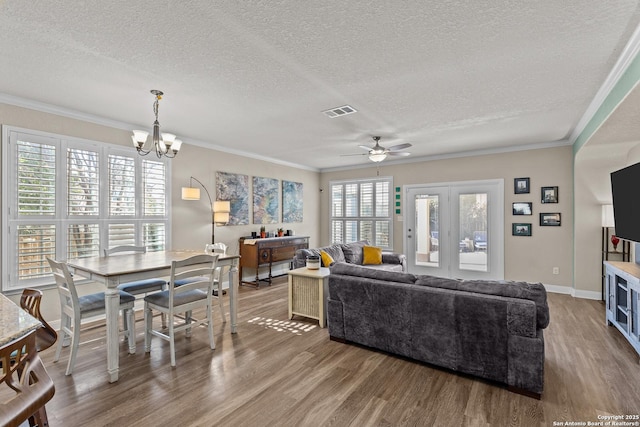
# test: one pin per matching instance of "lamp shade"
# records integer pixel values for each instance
(222, 206)
(221, 218)
(190, 193)
(607, 216)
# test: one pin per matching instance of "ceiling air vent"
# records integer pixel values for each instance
(340, 111)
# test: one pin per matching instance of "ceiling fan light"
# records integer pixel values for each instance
(377, 157)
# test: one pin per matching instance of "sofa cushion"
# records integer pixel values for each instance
(371, 255)
(347, 269)
(353, 251)
(531, 291)
(334, 250)
(327, 259)
(385, 267)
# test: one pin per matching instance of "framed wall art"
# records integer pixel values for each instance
(521, 186)
(549, 194)
(234, 188)
(520, 229)
(292, 201)
(522, 208)
(550, 219)
(265, 200)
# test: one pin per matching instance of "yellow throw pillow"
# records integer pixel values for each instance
(327, 260)
(371, 255)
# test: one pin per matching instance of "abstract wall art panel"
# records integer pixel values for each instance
(265, 200)
(234, 188)
(292, 201)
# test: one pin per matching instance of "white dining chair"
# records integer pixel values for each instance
(74, 308)
(221, 249)
(196, 292)
(138, 287)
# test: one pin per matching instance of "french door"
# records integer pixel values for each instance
(455, 229)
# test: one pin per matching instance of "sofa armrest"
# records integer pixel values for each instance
(521, 318)
(395, 258)
(299, 262)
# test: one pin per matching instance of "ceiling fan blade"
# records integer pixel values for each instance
(398, 153)
(364, 147)
(399, 147)
(359, 154)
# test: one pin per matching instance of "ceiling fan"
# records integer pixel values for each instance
(378, 153)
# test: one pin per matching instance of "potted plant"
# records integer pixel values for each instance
(263, 232)
(280, 232)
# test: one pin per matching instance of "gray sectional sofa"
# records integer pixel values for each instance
(489, 329)
(352, 253)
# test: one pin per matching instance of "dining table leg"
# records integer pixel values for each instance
(112, 305)
(233, 295)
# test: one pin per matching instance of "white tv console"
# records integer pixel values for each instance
(623, 298)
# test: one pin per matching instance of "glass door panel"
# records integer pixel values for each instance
(472, 219)
(427, 215)
(427, 231)
(455, 230)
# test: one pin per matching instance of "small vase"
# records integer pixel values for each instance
(263, 234)
(615, 240)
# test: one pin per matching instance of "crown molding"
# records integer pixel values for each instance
(471, 153)
(625, 59)
(85, 117)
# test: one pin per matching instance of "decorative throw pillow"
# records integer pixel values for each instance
(371, 255)
(353, 252)
(327, 260)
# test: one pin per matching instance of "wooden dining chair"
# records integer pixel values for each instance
(28, 386)
(74, 308)
(182, 299)
(138, 287)
(30, 300)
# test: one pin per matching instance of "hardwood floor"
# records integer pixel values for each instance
(277, 372)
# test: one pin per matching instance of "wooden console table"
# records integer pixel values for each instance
(256, 253)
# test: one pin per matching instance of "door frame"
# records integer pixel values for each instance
(495, 217)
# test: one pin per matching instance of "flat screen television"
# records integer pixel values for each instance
(625, 188)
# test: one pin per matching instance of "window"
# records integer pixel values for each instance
(71, 198)
(361, 210)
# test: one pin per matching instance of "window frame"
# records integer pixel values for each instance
(61, 220)
(344, 218)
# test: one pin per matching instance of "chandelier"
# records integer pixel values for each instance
(164, 144)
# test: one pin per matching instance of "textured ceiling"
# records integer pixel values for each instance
(448, 77)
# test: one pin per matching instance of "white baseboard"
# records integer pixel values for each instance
(576, 293)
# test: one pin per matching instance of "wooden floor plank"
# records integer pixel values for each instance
(278, 371)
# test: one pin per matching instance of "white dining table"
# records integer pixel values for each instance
(112, 271)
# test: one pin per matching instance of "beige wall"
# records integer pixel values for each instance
(593, 164)
(526, 258)
(191, 220)
(530, 258)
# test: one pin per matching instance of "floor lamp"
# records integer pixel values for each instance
(219, 210)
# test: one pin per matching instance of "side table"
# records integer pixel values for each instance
(308, 290)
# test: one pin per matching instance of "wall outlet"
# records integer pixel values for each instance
(556, 270)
